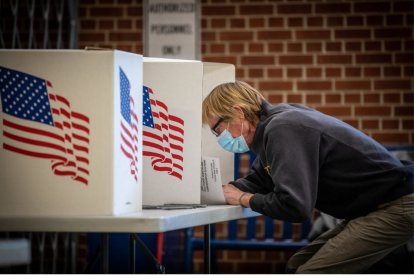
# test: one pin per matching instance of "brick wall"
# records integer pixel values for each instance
(352, 59)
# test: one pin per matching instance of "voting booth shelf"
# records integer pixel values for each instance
(174, 139)
(70, 132)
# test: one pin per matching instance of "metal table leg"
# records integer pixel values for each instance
(132, 254)
(105, 252)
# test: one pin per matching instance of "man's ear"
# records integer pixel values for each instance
(238, 111)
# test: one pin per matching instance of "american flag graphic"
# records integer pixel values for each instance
(163, 136)
(129, 125)
(41, 124)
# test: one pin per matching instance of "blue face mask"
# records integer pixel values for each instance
(235, 145)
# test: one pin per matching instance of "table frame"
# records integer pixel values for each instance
(146, 221)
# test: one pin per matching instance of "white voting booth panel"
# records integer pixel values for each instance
(213, 75)
(173, 139)
(70, 132)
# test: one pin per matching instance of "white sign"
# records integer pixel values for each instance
(211, 185)
(172, 29)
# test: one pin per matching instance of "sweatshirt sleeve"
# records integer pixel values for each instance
(292, 152)
(253, 182)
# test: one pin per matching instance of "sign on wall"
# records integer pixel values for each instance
(172, 29)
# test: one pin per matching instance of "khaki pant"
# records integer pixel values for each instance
(354, 246)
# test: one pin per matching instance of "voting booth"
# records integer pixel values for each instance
(173, 137)
(71, 132)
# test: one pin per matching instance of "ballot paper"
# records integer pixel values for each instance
(211, 185)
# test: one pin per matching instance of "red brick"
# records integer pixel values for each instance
(125, 24)
(236, 47)
(87, 24)
(255, 73)
(106, 12)
(294, 47)
(94, 37)
(315, 21)
(275, 85)
(408, 71)
(393, 45)
(219, 23)
(333, 46)
(391, 138)
(314, 85)
(260, 60)
(275, 47)
(275, 99)
(256, 9)
(393, 33)
(208, 36)
(404, 58)
(404, 111)
(333, 8)
(353, 123)
(294, 98)
(334, 59)
(294, 8)
(353, 72)
(256, 22)
(372, 111)
(408, 124)
(353, 46)
(294, 72)
(313, 98)
(273, 35)
(373, 46)
(295, 22)
(392, 97)
(275, 72)
(333, 72)
(314, 72)
(239, 35)
(237, 23)
(392, 71)
(218, 10)
(296, 59)
(276, 22)
(124, 36)
(222, 59)
(366, 7)
(352, 33)
(394, 20)
(403, 6)
(353, 85)
(313, 34)
(256, 47)
(375, 20)
(373, 58)
(335, 111)
(392, 84)
(217, 48)
(355, 21)
(390, 124)
(408, 97)
(370, 124)
(372, 71)
(352, 98)
(335, 21)
(372, 98)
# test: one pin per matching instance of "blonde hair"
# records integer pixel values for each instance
(223, 98)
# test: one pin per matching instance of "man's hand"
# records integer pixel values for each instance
(233, 195)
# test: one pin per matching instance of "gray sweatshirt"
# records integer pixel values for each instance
(306, 160)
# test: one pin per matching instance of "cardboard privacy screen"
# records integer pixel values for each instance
(173, 137)
(70, 132)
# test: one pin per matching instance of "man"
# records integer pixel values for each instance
(308, 160)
